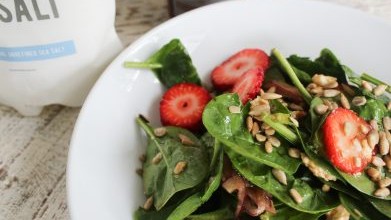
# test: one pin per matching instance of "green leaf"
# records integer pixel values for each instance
(220, 214)
(195, 201)
(373, 109)
(142, 214)
(359, 209)
(171, 64)
(159, 178)
(314, 200)
(230, 129)
(284, 212)
(382, 206)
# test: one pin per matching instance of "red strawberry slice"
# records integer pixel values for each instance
(342, 137)
(226, 74)
(182, 105)
(249, 84)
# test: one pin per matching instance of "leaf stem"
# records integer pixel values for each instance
(146, 65)
(140, 121)
(283, 130)
(375, 81)
(286, 66)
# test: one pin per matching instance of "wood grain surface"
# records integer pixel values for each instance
(33, 150)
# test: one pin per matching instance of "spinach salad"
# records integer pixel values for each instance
(276, 138)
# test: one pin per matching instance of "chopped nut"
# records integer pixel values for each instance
(382, 192)
(157, 158)
(325, 188)
(377, 161)
(148, 203)
(234, 109)
(330, 93)
(160, 132)
(359, 100)
(180, 167)
(280, 176)
(344, 101)
(260, 137)
(268, 96)
(321, 109)
(185, 139)
(296, 196)
(383, 183)
(294, 152)
(379, 90)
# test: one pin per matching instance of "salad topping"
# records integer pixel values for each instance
(282, 137)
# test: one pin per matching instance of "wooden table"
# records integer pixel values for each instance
(33, 150)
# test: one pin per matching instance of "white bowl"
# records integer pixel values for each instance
(106, 143)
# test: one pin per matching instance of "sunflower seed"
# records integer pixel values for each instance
(296, 196)
(364, 129)
(359, 100)
(387, 123)
(249, 123)
(160, 132)
(271, 89)
(377, 161)
(366, 85)
(387, 160)
(148, 203)
(255, 129)
(270, 131)
(180, 167)
(365, 147)
(382, 192)
(357, 162)
(383, 183)
(374, 124)
(234, 109)
(294, 121)
(373, 138)
(280, 176)
(331, 85)
(344, 101)
(295, 107)
(185, 139)
(274, 141)
(157, 158)
(325, 188)
(321, 109)
(294, 152)
(298, 114)
(329, 93)
(379, 90)
(323, 80)
(384, 145)
(374, 174)
(268, 147)
(317, 91)
(260, 137)
(265, 126)
(259, 109)
(346, 88)
(269, 96)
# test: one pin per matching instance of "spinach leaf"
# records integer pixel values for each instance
(142, 214)
(373, 109)
(220, 214)
(382, 206)
(171, 64)
(359, 209)
(362, 183)
(230, 129)
(314, 200)
(284, 212)
(192, 203)
(160, 181)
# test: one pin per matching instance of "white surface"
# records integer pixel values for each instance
(102, 183)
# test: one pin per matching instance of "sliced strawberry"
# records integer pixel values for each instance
(249, 84)
(182, 105)
(342, 137)
(226, 74)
